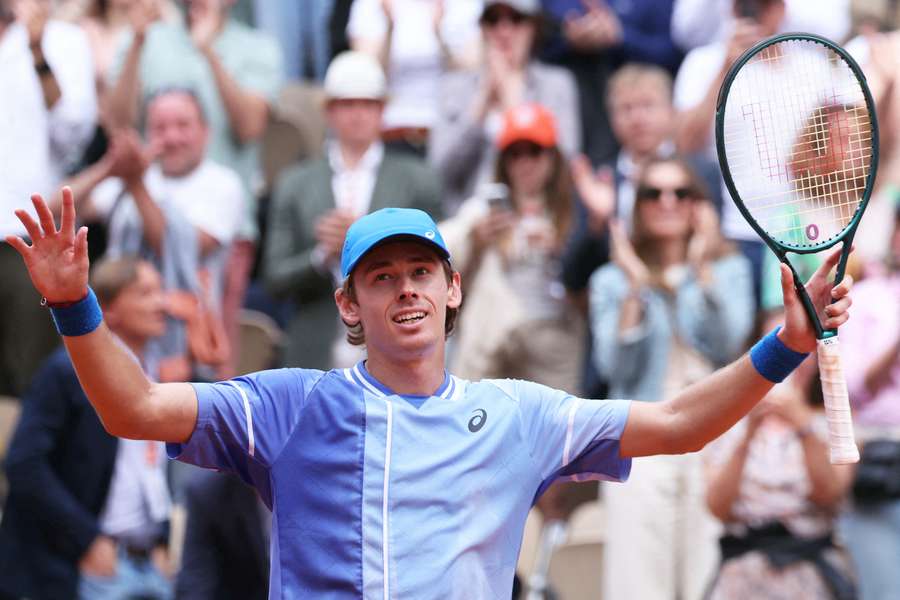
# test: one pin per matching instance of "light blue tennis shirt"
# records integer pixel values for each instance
(378, 495)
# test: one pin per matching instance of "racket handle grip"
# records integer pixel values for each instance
(841, 441)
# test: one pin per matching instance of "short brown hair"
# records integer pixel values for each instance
(355, 333)
(111, 276)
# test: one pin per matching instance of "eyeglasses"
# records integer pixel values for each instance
(647, 192)
(523, 149)
(493, 16)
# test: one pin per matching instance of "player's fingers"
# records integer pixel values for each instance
(81, 245)
(34, 231)
(835, 322)
(838, 307)
(44, 214)
(830, 262)
(787, 285)
(19, 244)
(843, 288)
(67, 224)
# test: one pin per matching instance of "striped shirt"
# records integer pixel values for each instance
(380, 495)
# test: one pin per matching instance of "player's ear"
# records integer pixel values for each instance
(454, 298)
(347, 307)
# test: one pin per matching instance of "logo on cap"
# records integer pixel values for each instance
(429, 235)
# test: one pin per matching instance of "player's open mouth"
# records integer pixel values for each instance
(412, 317)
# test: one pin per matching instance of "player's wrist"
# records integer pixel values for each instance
(77, 318)
(773, 359)
(792, 342)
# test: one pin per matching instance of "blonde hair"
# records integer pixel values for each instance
(635, 74)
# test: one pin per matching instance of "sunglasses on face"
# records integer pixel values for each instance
(648, 192)
(494, 16)
(523, 149)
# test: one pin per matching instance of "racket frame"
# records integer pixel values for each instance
(845, 236)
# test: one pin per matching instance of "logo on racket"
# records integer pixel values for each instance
(477, 422)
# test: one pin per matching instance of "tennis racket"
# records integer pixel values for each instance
(797, 141)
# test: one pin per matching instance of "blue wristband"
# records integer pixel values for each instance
(773, 360)
(80, 318)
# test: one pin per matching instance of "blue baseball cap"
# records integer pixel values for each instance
(379, 226)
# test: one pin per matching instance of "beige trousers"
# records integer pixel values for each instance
(661, 543)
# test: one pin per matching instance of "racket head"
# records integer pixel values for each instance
(797, 141)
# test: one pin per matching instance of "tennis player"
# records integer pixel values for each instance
(395, 479)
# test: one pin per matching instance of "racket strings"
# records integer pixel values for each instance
(798, 139)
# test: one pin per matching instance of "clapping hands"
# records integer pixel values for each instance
(596, 190)
(626, 258)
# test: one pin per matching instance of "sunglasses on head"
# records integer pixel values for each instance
(523, 149)
(647, 192)
(495, 15)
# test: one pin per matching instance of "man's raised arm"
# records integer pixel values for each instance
(128, 403)
(705, 410)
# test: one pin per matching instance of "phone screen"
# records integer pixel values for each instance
(496, 194)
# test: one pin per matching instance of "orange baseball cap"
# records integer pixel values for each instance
(528, 122)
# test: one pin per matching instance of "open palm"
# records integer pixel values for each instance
(57, 259)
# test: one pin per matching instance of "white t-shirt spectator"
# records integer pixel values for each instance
(37, 144)
(211, 198)
(415, 62)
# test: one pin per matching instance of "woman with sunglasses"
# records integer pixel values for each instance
(472, 102)
(675, 303)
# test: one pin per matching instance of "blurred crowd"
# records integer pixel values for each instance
(218, 150)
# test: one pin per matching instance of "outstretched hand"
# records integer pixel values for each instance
(57, 259)
(830, 301)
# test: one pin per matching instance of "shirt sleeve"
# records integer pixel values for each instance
(74, 116)
(261, 70)
(244, 423)
(221, 216)
(695, 76)
(572, 438)
(366, 21)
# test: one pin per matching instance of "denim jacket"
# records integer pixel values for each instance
(715, 323)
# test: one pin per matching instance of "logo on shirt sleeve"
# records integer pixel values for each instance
(478, 420)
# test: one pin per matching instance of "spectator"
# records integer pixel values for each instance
(643, 119)
(236, 73)
(47, 114)
(879, 56)
(639, 103)
(316, 201)
(87, 512)
(182, 212)
(225, 555)
(696, 89)
(592, 40)
(675, 303)
(105, 22)
(510, 251)
(871, 351)
(772, 486)
(416, 42)
(472, 102)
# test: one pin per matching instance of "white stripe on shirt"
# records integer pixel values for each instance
(251, 444)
